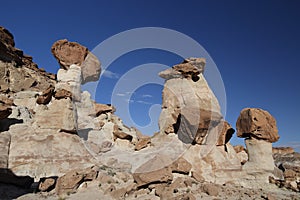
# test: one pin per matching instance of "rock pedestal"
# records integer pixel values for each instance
(259, 155)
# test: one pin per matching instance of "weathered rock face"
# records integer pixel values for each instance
(62, 114)
(257, 123)
(260, 155)
(69, 83)
(45, 152)
(17, 71)
(4, 149)
(71, 53)
(226, 132)
(156, 170)
(189, 107)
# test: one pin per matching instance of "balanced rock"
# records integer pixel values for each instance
(189, 108)
(68, 53)
(257, 123)
(71, 53)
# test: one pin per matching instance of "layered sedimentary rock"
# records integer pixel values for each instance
(53, 132)
(189, 107)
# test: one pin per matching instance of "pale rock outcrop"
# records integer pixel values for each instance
(189, 106)
(26, 98)
(62, 114)
(260, 155)
(4, 149)
(69, 82)
(45, 152)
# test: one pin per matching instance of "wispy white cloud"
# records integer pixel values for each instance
(129, 101)
(143, 102)
(110, 74)
(120, 94)
(147, 96)
(130, 93)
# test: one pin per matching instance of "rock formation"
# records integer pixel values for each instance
(259, 128)
(189, 108)
(69, 53)
(58, 141)
(17, 71)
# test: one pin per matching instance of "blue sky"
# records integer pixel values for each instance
(255, 45)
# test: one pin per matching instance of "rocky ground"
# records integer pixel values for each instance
(58, 143)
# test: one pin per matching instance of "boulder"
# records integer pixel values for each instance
(103, 108)
(68, 53)
(155, 170)
(181, 165)
(120, 134)
(257, 123)
(46, 96)
(190, 68)
(211, 189)
(142, 143)
(91, 68)
(47, 184)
